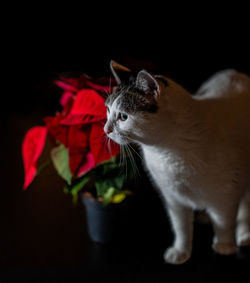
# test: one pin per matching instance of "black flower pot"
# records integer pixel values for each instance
(107, 223)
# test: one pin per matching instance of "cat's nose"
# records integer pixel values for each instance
(108, 130)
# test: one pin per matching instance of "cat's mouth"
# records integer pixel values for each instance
(118, 139)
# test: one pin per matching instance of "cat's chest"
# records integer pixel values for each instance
(165, 166)
(174, 177)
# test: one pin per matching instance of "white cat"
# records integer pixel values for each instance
(196, 150)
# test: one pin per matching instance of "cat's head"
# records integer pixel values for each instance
(133, 105)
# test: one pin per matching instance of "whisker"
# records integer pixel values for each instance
(107, 93)
(126, 163)
(132, 162)
(120, 156)
(122, 159)
(135, 151)
(105, 140)
(135, 165)
(109, 146)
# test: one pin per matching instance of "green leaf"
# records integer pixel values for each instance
(103, 184)
(78, 185)
(107, 196)
(113, 160)
(108, 167)
(101, 188)
(60, 158)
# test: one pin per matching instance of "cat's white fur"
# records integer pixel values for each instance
(197, 152)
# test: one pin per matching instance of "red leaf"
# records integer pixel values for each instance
(32, 148)
(79, 119)
(88, 164)
(76, 156)
(84, 81)
(78, 136)
(78, 145)
(67, 96)
(56, 130)
(68, 84)
(102, 88)
(101, 148)
(88, 102)
(100, 84)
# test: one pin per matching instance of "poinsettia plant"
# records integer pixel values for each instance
(80, 151)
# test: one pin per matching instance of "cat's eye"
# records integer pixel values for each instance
(123, 116)
(108, 110)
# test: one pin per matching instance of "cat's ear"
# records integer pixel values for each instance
(147, 83)
(120, 72)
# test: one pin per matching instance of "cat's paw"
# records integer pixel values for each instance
(225, 248)
(174, 256)
(243, 240)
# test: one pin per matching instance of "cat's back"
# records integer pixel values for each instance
(224, 99)
(224, 84)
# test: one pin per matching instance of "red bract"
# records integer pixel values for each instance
(88, 107)
(88, 102)
(66, 98)
(78, 145)
(79, 127)
(72, 85)
(102, 148)
(32, 148)
(86, 120)
(56, 130)
(87, 165)
(102, 88)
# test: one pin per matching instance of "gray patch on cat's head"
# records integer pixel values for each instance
(131, 99)
(135, 94)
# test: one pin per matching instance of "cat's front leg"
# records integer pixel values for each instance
(182, 223)
(224, 222)
(243, 222)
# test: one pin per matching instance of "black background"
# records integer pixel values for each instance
(43, 234)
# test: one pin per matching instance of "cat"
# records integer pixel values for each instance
(196, 150)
